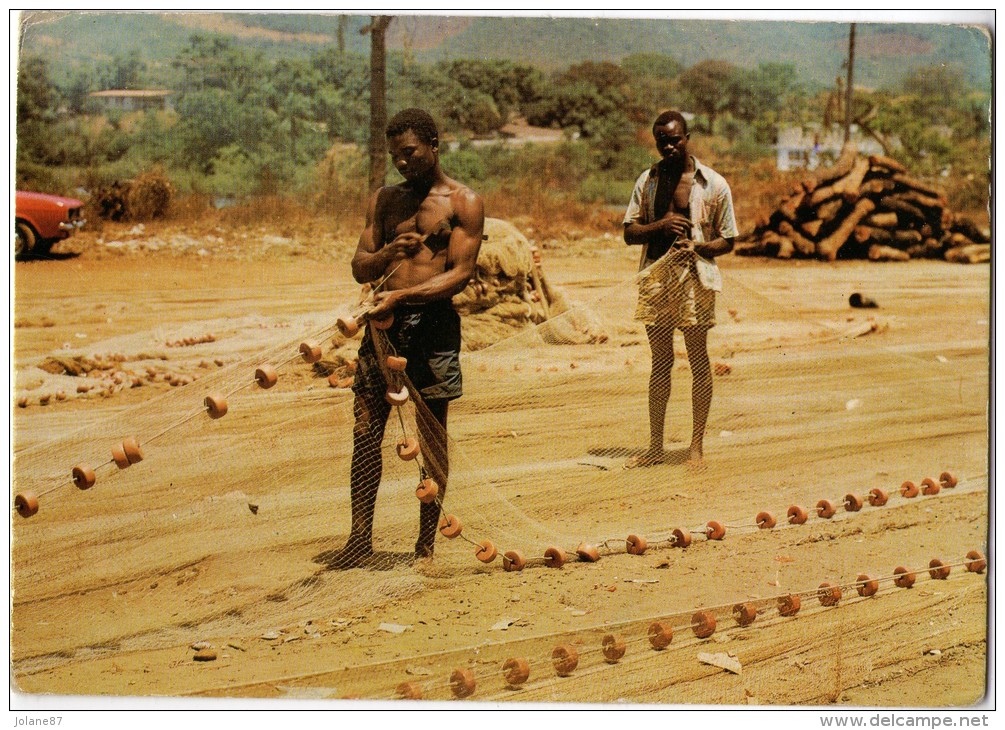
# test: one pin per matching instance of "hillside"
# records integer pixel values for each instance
(884, 53)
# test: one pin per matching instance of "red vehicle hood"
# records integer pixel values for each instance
(31, 201)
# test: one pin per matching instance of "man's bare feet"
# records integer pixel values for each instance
(354, 554)
(696, 458)
(649, 458)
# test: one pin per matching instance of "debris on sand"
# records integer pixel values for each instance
(205, 655)
(393, 628)
(721, 660)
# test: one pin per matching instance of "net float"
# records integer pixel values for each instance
(554, 557)
(407, 448)
(829, 594)
(789, 605)
(216, 405)
(660, 635)
(427, 491)
(26, 504)
(976, 562)
(486, 551)
(703, 624)
(450, 526)
(516, 671)
(513, 561)
(904, 577)
(565, 658)
(937, 569)
(825, 509)
(715, 530)
(409, 691)
(83, 476)
(797, 515)
(635, 545)
(744, 613)
(266, 376)
(462, 683)
(867, 586)
(614, 648)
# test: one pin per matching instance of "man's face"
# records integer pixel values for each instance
(412, 157)
(671, 141)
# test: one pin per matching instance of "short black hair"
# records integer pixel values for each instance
(671, 115)
(417, 120)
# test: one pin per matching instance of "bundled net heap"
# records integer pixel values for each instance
(220, 507)
(867, 207)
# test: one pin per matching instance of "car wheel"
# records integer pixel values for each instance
(24, 239)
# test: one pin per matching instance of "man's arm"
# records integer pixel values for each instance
(370, 262)
(724, 224)
(462, 256)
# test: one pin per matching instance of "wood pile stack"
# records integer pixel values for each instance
(866, 207)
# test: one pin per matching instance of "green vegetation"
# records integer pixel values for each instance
(246, 120)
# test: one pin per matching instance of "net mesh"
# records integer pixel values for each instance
(235, 523)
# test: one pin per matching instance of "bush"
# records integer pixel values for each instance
(149, 196)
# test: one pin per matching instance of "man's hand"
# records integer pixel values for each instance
(384, 303)
(406, 245)
(675, 224)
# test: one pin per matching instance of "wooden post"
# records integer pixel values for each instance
(378, 102)
(851, 68)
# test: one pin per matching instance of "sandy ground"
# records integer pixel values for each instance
(926, 646)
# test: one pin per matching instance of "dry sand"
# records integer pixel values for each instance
(870, 652)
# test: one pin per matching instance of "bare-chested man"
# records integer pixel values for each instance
(681, 213)
(423, 274)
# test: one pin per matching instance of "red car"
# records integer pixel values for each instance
(40, 220)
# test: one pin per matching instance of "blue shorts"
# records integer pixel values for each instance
(429, 337)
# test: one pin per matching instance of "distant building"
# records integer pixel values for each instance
(807, 147)
(131, 100)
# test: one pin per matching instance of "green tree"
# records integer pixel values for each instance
(126, 71)
(36, 111)
(652, 66)
(709, 86)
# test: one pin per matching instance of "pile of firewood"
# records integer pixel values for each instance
(866, 207)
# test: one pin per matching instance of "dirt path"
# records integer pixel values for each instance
(867, 651)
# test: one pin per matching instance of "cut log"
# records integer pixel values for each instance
(853, 180)
(841, 167)
(977, 253)
(785, 248)
(803, 245)
(868, 233)
(922, 201)
(907, 238)
(882, 220)
(886, 162)
(828, 248)
(790, 206)
(876, 186)
(969, 229)
(829, 209)
(887, 253)
(812, 228)
(958, 239)
(848, 183)
(910, 182)
(905, 211)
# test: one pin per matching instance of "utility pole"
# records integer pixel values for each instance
(851, 68)
(378, 103)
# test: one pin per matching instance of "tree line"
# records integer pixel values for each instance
(255, 124)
